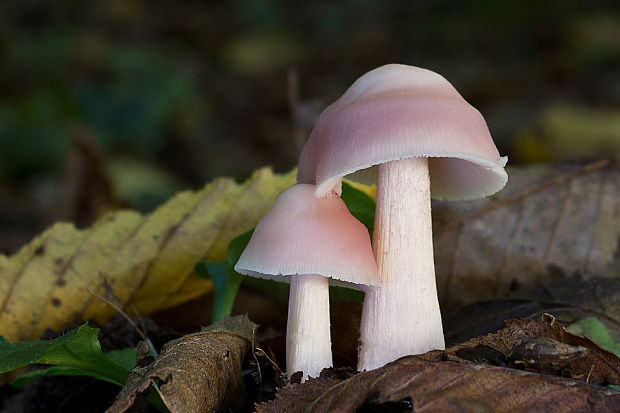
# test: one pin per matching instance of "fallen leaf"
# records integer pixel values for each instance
(549, 221)
(450, 381)
(295, 398)
(447, 386)
(145, 262)
(596, 331)
(597, 365)
(199, 372)
(484, 323)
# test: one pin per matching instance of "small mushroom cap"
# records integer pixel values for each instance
(396, 112)
(303, 234)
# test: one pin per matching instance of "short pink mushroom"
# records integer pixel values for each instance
(420, 131)
(306, 241)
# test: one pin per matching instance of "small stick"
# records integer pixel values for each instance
(260, 374)
(124, 314)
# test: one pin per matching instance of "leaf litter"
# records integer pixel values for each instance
(536, 366)
(449, 386)
(198, 372)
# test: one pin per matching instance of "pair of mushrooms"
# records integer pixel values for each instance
(417, 129)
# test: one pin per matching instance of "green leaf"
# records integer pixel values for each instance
(237, 245)
(360, 205)
(27, 377)
(78, 349)
(125, 357)
(596, 331)
(226, 280)
(226, 283)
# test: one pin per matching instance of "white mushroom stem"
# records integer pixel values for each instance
(402, 315)
(308, 340)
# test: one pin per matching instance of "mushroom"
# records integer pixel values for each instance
(305, 240)
(418, 129)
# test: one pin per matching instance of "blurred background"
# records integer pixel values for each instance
(121, 103)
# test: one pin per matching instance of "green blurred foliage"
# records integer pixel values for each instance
(126, 96)
(199, 88)
(594, 39)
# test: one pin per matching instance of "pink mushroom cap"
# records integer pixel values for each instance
(303, 234)
(396, 112)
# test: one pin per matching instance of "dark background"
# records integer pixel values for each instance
(120, 103)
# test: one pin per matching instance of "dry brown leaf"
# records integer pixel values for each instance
(465, 387)
(144, 262)
(295, 398)
(200, 372)
(550, 220)
(446, 381)
(448, 386)
(597, 365)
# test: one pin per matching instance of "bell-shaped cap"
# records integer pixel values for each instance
(303, 234)
(396, 112)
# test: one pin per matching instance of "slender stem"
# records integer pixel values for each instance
(402, 315)
(308, 340)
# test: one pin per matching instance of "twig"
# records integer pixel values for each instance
(124, 314)
(142, 328)
(590, 374)
(260, 374)
(273, 363)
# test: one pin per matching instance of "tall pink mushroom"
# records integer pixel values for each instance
(419, 130)
(305, 241)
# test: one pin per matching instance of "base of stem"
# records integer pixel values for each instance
(308, 338)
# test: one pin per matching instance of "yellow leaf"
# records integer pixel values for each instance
(34, 278)
(188, 243)
(371, 190)
(145, 262)
(130, 264)
(86, 268)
